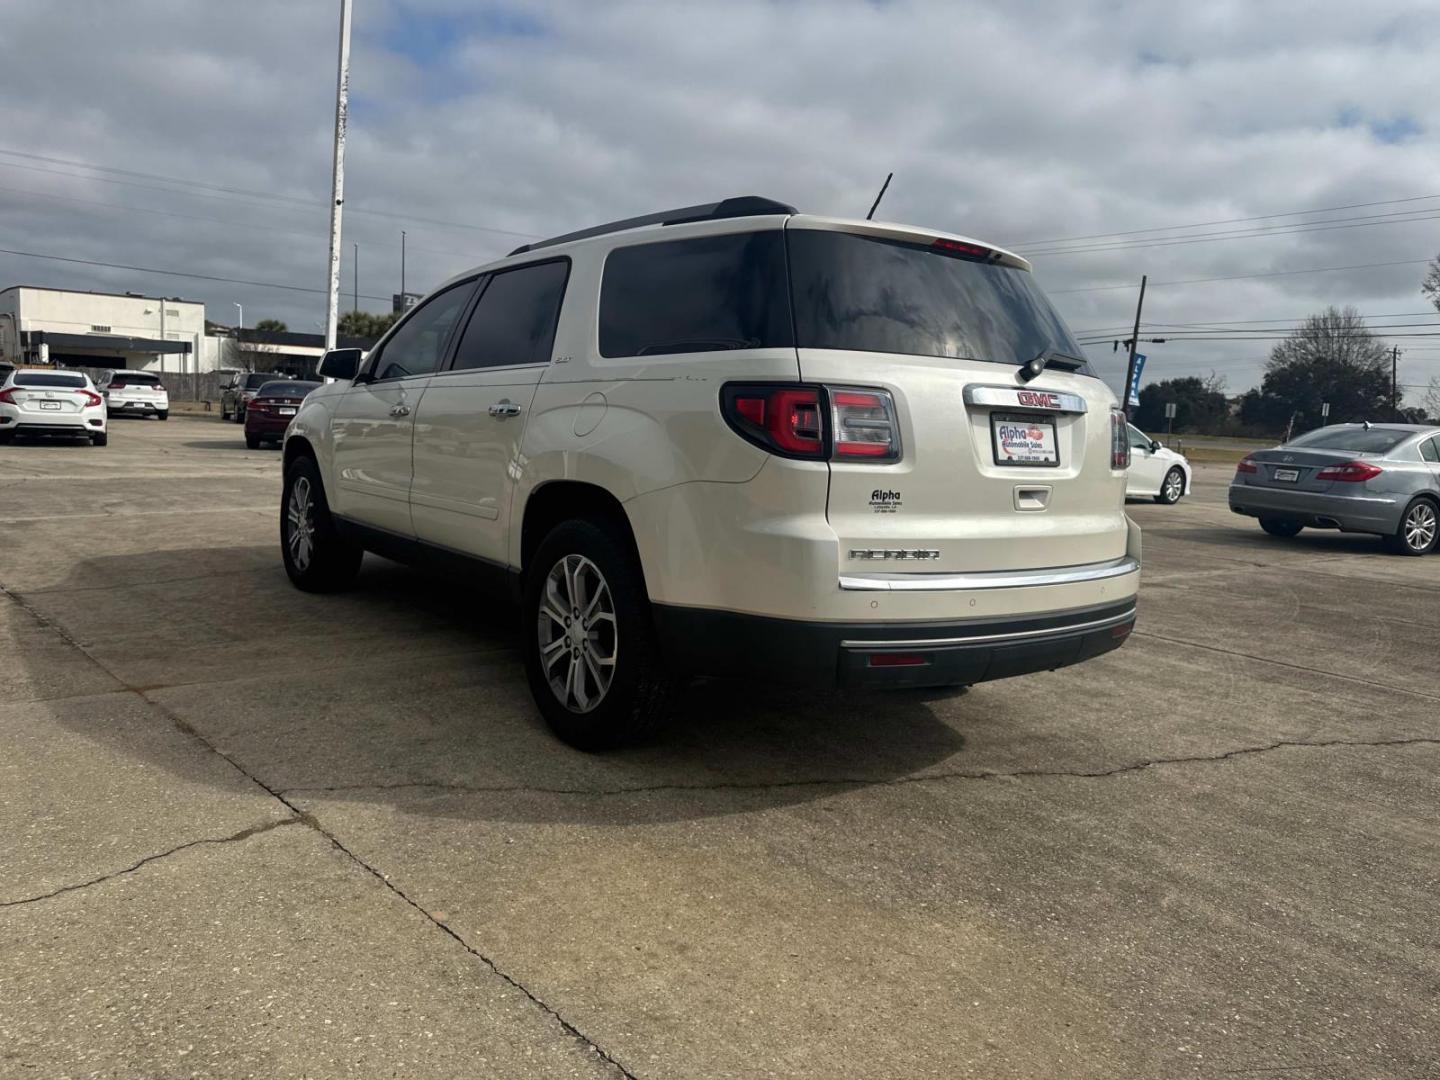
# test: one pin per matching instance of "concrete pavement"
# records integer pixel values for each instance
(245, 831)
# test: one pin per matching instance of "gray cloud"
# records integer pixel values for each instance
(1014, 123)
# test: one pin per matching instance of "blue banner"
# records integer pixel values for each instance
(1133, 398)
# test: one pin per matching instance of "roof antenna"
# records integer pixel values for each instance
(876, 203)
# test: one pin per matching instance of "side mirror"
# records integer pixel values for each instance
(340, 364)
(1154, 445)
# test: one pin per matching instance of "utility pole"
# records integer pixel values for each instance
(1395, 380)
(357, 277)
(1134, 343)
(337, 175)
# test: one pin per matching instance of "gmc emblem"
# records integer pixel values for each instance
(1037, 399)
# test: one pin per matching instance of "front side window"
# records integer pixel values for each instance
(704, 294)
(418, 344)
(514, 321)
(873, 294)
(1138, 439)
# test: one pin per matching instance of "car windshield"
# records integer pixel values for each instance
(286, 388)
(873, 294)
(45, 378)
(1353, 438)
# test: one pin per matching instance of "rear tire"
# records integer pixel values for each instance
(164, 415)
(6, 438)
(1419, 529)
(1171, 488)
(591, 652)
(1281, 527)
(318, 559)
(252, 443)
(102, 439)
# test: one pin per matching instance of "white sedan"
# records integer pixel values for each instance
(47, 401)
(1156, 472)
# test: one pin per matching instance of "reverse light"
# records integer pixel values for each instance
(1119, 441)
(1351, 472)
(1247, 466)
(863, 423)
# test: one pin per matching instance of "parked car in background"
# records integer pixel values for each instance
(712, 442)
(50, 401)
(137, 393)
(272, 409)
(1156, 472)
(1368, 478)
(236, 395)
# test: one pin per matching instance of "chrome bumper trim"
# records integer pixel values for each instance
(985, 639)
(998, 579)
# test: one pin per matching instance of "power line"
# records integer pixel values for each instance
(1241, 277)
(1225, 221)
(175, 273)
(215, 191)
(1291, 319)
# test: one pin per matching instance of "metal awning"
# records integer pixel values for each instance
(117, 342)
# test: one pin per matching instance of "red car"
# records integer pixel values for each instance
(272, 409)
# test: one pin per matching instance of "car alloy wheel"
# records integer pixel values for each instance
(1419, 527)
(1174, 486)
(300, 513)
(577, 630)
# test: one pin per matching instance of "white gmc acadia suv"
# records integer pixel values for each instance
(730, 440)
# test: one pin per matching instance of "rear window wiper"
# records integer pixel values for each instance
(1049, 357)
(698, 345)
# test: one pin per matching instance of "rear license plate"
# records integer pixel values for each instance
(1290, 475)
(50, 404)
(286, 412)
(1024, 440)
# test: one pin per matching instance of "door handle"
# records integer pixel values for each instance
(505, 408)
(400, 410)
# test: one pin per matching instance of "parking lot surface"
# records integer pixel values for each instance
(246, 831)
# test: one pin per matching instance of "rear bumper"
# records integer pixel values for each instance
(877, 655)
(1349, 513)
(89, 422)
(137, 406)
(268, 427)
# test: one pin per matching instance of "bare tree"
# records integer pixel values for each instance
(1431, 401)
(1430, 287)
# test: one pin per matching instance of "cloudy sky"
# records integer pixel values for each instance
(1258, 160)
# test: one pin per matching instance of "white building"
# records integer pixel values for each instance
(100, 330)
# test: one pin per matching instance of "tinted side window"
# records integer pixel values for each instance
(419, 342)
(699, 295)
(1430, 449)
(514, 320)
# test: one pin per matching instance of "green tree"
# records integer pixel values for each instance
(1330, 357)
(1200, 405)
(273, 325)
(364, 324)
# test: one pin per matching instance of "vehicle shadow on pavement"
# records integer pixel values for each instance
(1310, 542)
(409, 689)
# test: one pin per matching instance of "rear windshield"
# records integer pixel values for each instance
(45, 378)
(286, 388)
(1356, 440)
(134, 378)
(878, 295)
(255, 381)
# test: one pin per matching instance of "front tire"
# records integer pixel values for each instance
(1171, 488)
(317, 557)
(1281, 527)
(591, 652)
(1419, 530)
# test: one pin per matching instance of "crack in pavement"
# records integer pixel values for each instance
(861, 781)
(243, 834)
(299, 816)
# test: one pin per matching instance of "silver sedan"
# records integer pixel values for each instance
(1368, 478)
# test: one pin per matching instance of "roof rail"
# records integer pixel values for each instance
(734, 207)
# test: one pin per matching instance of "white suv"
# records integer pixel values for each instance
(734, 440)
(140, 393)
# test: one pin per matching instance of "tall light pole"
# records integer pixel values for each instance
(357, 277)
(337, 176)
(402, 267)
(241, 326)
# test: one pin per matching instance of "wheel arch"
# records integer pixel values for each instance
(556, 501)
(298, 446)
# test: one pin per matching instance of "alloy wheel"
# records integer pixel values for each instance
(300, 513)
(1174, 487)
(1420, 526)
(577, 630)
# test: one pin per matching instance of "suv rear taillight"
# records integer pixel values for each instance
(837, 423)
(1119, 441)
(1352, 472)
(91, 398)
(1247, 466)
